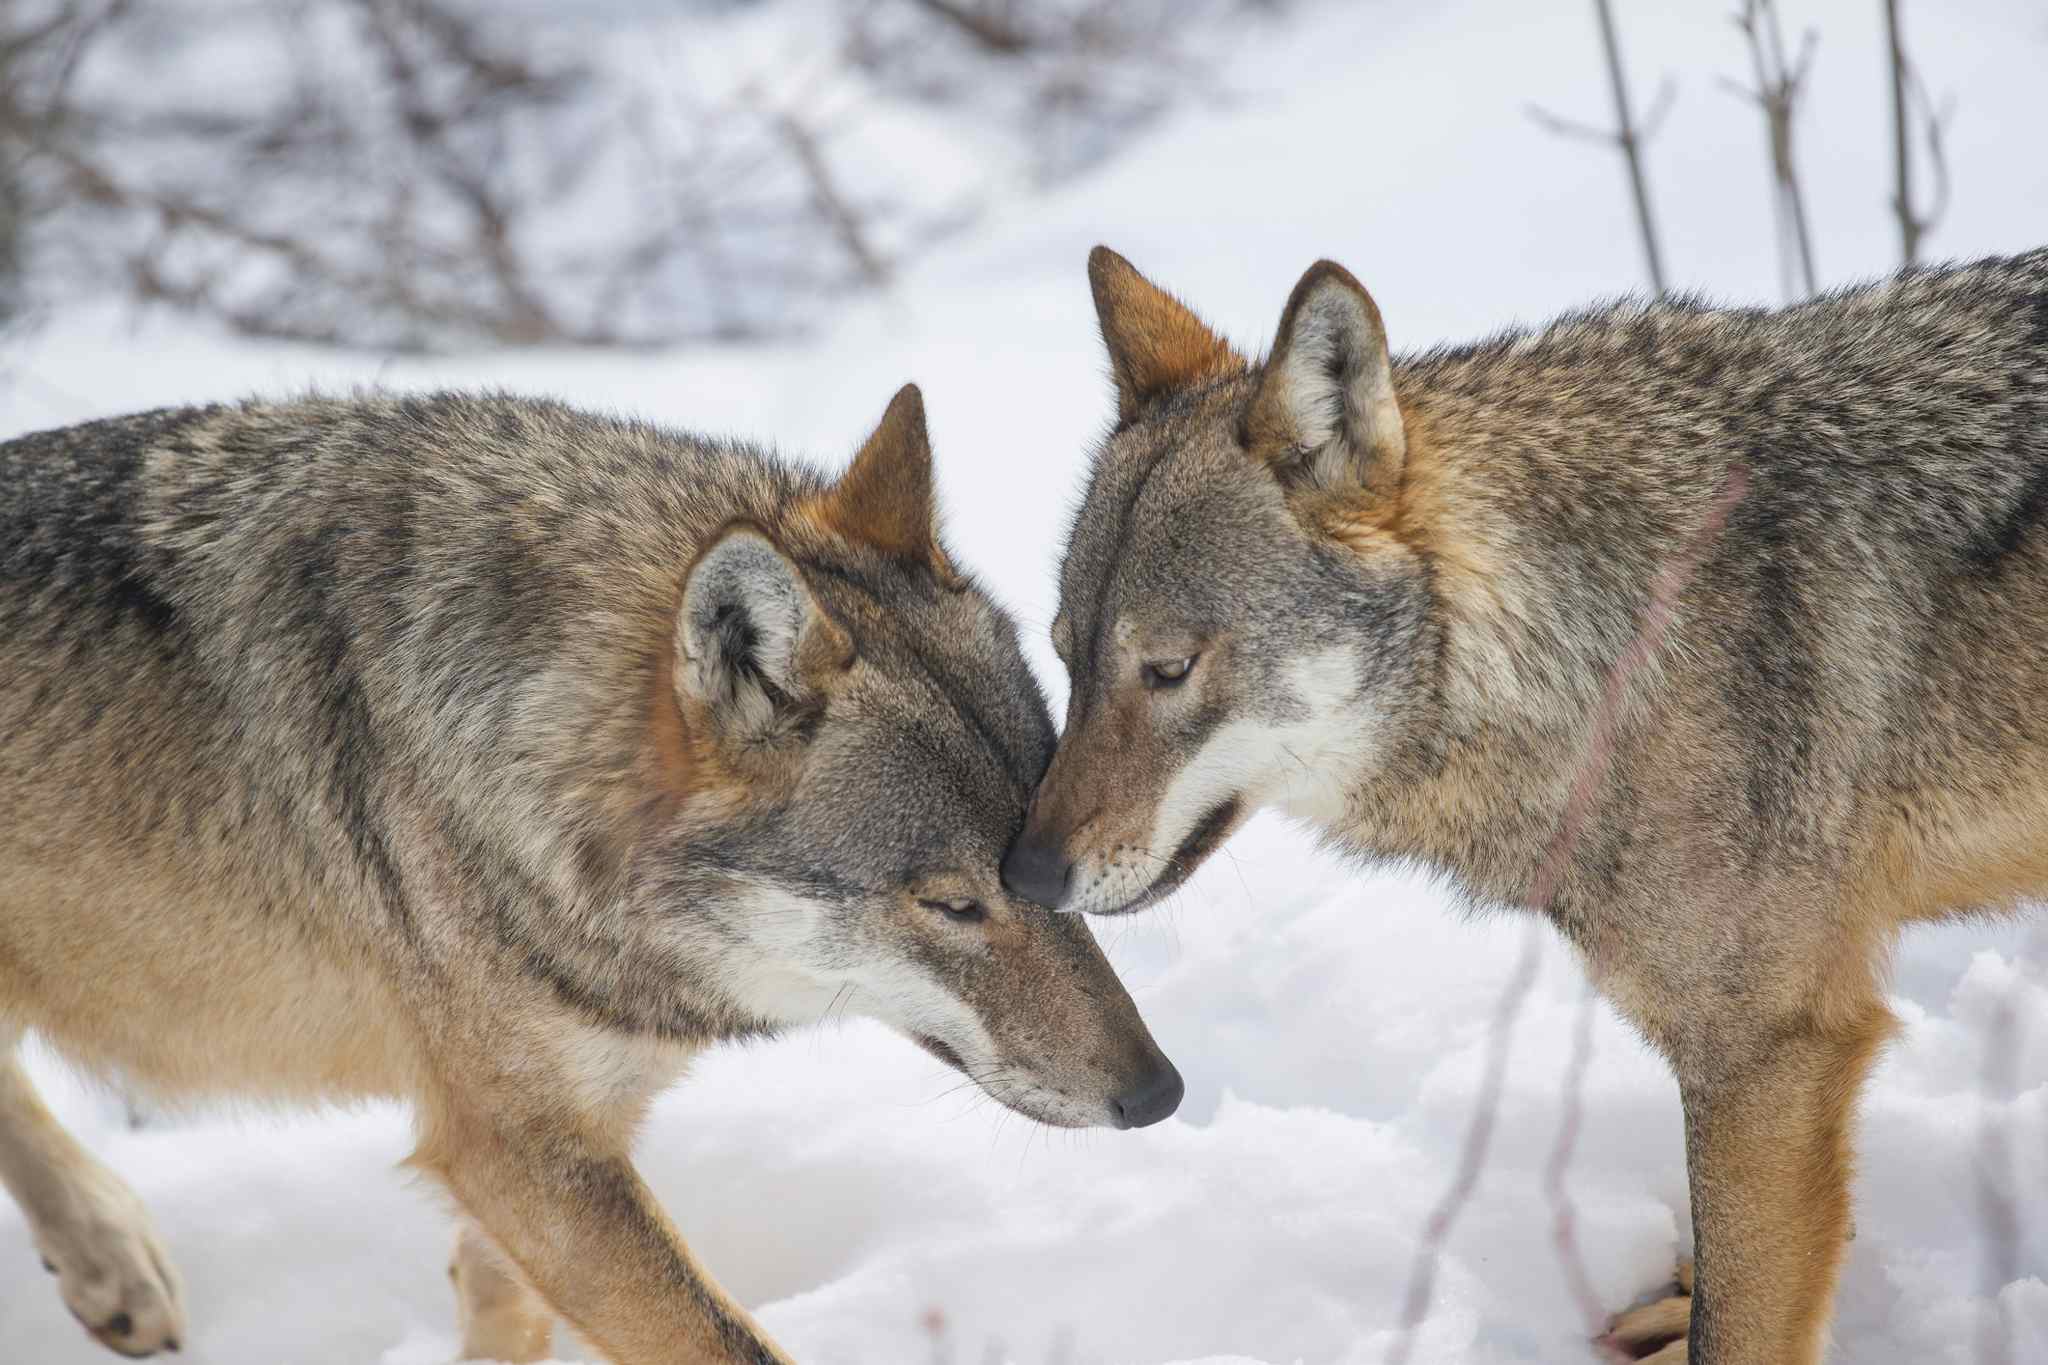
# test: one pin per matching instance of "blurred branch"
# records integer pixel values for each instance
(830, 202)
(1776, 93)
(422, 175)
(1906, 88)
(1627, 135)
(992, 26)
(39, 57)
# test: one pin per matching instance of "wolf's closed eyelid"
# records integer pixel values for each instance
(1167, 673)
(959, 909)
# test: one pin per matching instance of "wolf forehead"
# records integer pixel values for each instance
(1170, 500)
(935, 751)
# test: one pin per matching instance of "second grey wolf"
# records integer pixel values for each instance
(1386, 597)
(496, 757)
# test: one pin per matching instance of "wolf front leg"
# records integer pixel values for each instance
(558, 1196)
(91, 1230)
(1768, 1156)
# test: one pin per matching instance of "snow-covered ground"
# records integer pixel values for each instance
(1331, 1022)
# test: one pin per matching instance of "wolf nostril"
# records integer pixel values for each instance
(1037, 872)
(1155, 1096)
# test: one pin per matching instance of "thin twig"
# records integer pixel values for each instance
(830, 201)
(1564, 1233)
(1631, 147)
(1902, 143)
(1907, 90)
(1628, 136)
(1776, 93)
(992, 31)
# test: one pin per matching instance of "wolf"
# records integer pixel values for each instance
(1387, 597)
(497, 757)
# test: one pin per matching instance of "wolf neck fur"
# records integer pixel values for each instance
(1516, 496)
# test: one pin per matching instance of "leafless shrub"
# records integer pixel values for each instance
(1083, 74)
(426, 174)
(41, 46)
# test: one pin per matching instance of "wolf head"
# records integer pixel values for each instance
(865, 734)
(1243, 616)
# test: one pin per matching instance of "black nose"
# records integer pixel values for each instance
(1156, 1095)
(1037, 872)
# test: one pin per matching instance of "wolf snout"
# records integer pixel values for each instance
(1038, 872)
(1155, 1094)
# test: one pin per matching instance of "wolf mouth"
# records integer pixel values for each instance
(1209, 832)
(943, 1051)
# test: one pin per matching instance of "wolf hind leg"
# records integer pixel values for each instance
(93, 1233)
(502, 1318)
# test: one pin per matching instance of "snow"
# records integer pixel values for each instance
(1331, 1022)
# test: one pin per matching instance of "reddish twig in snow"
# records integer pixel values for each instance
(1477, 1139)
(1995, 1174)
(1599, 755)
(1564, 1233)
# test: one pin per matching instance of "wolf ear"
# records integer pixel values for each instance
(752, 644)
(884, 499)
(1325, 411)
(1155, 343)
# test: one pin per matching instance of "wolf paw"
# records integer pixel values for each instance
(502, 1319)
(1655, 1332)
(111, 1268)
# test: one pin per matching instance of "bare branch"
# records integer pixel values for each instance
(1626, 136)
(1776, 93)
(830, 201)
(1935, 122)
(1660, 105)
(433, 186)
(1564, 127)
(1907, 88)
(994, 32)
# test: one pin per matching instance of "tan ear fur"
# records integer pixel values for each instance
(1156, 343)
(885, 498)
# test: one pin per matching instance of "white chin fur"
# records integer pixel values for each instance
(1305, 767)
(780, 975)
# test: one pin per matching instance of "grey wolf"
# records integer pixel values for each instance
(1383, 596)
(497, 757)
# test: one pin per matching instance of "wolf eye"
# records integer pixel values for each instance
(959, 910)
(1166, 673)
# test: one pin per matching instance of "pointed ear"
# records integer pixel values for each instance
(1324, 412)
(1155, 343)
(752, 644)
(884, 499)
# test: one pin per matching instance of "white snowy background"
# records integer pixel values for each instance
(1330, 1020)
